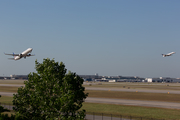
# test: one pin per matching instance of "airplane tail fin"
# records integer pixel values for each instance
(13, 55)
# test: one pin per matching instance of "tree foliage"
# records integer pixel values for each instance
(51, 93)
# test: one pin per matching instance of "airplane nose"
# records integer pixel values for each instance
(30, 49)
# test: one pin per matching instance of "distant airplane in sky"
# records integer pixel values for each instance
(23, 54)
(169, 54)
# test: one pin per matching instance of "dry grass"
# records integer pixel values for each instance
(8, 89)
(135, 111)
(121, 109)
(135, 95)
(118, 95)
(18, 82)
(6, 100)
(9, 113)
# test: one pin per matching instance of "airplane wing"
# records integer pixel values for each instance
(12, 54)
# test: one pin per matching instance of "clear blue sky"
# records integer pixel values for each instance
(118, 37)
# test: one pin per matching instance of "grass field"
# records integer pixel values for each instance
(124, 110)
(8, 89)
(9, 113)
(155, 86)
(119, 95)
(6, 100)
(134, 95)
(17, 82)
(134, 111)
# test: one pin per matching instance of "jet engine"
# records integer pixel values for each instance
(20, 55)
(28, 55)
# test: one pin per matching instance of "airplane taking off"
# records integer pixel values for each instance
(169, 54)
(23, 54)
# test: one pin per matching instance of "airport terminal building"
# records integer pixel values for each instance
(97, 78)
(129, 79)
(163, 80)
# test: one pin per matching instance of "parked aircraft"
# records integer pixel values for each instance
(21, 55)
(169, 54)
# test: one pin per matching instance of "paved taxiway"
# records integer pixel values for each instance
(11, 85)
(158, 104)
(134, 90)
(6, 94)
(121, 101)
(116, 89)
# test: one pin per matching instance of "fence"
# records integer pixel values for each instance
(7, 106)
(99, 116)
(103, 116)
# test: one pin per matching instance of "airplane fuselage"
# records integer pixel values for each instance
(169, 54)
(23, 54)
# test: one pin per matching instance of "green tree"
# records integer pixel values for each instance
(51, 93)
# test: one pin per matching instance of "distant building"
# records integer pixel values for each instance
(24, 77)
(119, 79)
(88, 79)
(96, 76)
(163, 79)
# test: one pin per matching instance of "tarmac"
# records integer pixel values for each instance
(143, 103)
(157, 104)
(115, 89)
(171, 105)
(134, 90)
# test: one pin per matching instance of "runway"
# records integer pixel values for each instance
(12, 85)
(158, 104)
(6, 94)
(115, 89)
(134, 90)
